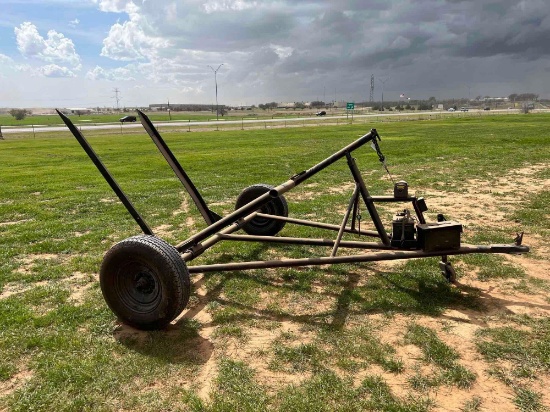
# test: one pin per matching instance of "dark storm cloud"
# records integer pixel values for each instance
(294, 47)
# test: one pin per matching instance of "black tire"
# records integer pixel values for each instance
(145, 282)
(260, 226)
(448, 271)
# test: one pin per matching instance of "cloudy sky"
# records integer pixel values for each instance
(75, 53)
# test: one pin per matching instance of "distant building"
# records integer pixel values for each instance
(286, 105)
(79, 110)
(195, 107)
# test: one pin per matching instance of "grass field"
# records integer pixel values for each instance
(379, 336)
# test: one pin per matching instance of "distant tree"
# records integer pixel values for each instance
(424, 106)
(513, 97)
(317, 104)
(266, 106)
(527, 96)
(408, 107)
(19, 114)
(432, 100)
(299, 105)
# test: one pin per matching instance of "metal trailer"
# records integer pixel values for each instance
(146, 281)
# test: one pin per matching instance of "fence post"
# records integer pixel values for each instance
(33, 131)
(1, 137)
(189, 125)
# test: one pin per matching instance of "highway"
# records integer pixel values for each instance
(118, 126)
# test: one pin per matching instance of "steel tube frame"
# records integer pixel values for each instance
(106, 175)
(353, 244)
(319, 225)
(366, 257)
(208, 216)
(352, 203)
(277, 191)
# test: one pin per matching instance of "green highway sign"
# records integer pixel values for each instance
(350, 106)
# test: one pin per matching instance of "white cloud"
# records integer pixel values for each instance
(212, 6)
(5, 60)
(48, 70)
(118, 74)
(128, 41)
(116, 6)
(54, 48)
(282, 51)
(53, 70)
(6, 64)
(74, 23)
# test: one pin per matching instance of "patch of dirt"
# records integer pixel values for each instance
(15, 382)
(163, 231)
(79, 283)
(488, 203)
(27, 263)
(15, 222)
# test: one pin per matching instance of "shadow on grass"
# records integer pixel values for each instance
(383, 293)
(180, 343)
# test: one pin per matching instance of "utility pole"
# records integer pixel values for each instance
(216, 82)
(169, 112)
(383, 81)
(116, 91)
(371, 98)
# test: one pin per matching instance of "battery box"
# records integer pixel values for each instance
(439, 236)
(403, 231)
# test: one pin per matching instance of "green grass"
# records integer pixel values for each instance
(58, 217)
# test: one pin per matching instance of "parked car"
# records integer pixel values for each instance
(464, 109)
(451, 109)
(321, 113)
(128, 119)
(487, 108)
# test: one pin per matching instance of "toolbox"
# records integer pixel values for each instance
(439, 236)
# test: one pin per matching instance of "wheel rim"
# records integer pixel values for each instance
(138, 287)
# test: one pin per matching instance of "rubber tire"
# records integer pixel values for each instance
(145, 282)
(260, 226)
(448, 271)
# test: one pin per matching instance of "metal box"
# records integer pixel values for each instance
(439, 236)
(403, 230)
(401, 190)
